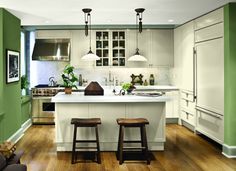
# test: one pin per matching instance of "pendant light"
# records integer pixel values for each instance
(139, 29)
(90, 56)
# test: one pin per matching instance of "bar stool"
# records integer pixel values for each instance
(85, 122)
(132, 122)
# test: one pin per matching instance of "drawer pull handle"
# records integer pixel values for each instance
(209, 112)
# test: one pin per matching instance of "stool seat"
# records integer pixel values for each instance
(132, 121)
(86, 122)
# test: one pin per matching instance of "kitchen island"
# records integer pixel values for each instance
(108, 107)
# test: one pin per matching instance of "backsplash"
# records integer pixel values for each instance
(42, 70)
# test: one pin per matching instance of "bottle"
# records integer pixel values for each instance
(80, 80)
(145, 83)
(151, 79)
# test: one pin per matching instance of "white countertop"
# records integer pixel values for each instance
(78, 97)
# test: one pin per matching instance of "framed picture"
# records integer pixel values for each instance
(13, 66)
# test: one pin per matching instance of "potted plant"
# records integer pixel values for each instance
(128, 87)
(24, 84)
(69, 78)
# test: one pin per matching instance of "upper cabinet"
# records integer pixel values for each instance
(154, 44)
(80, 47)
(209, 19)
(111, 48)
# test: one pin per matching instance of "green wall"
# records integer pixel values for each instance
(10, 98)
(230, 74)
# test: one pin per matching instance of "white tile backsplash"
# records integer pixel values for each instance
(42, 70)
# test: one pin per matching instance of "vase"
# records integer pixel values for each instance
(68, 90)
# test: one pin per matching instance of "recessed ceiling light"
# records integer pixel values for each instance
(170, 20)
(47, 21)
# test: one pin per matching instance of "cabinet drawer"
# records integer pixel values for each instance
(188, 116)
(211, 125)
(215, 31)
(209, 19)
(188, 104)
(187, 96)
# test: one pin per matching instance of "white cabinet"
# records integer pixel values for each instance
(80, 47)
(144, 45)
(172, 106)
(184, 64)
(162, 48)
(209, 45)
(211, 124)
(209, 19)
(156, 45)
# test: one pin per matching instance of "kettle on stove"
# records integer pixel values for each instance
(52, 83)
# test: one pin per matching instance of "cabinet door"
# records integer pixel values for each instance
(80, 47)
(187, 60)
(162, 48)
(210, 75)
(144, 40)
(172, 109)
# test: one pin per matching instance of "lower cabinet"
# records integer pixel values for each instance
(187, 109)
(172, 106)
(211, 125)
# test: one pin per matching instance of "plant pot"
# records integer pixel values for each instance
(68, 90)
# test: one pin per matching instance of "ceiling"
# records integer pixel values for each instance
(69, 12)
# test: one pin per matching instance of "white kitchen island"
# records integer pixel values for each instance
(108, 107)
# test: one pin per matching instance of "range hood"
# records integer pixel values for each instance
(51, 50)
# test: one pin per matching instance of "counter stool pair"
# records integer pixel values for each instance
(123, 123)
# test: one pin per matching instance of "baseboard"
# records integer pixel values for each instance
(20, 132)
(187, 125)
(26, 125)
(172, 120)
(229, 151)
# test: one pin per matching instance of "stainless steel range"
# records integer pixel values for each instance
(42, 107)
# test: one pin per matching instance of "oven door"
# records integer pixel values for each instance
(43, 110)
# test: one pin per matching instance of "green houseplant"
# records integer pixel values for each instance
(128, 87)
(24, 84)
(69, 78)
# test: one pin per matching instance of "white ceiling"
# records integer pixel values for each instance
(69, 12)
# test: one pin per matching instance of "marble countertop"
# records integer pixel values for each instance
(78, 97)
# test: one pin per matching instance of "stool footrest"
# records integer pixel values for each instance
(85, 147)
(130, 141)
(85, 141)
(133, 148)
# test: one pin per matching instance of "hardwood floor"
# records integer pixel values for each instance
(184, 151)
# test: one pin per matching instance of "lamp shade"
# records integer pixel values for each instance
(137, 57)
(90, 56)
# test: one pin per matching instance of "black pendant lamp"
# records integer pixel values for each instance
(139, 29)
(90, 56)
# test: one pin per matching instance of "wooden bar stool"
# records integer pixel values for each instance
(85, 122)
(132, 122)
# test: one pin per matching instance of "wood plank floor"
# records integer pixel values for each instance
(184, 151)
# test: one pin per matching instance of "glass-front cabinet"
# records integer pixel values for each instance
(110, 47)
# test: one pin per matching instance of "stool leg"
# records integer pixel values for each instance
(98, 147)
(118, 146)
(144, 139)
(121, 145)
(74, 144)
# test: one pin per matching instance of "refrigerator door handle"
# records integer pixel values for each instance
(194, 74)
(209, 112)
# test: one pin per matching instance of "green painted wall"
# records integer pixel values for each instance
(10, 93)
(230, 74)
(25, 108)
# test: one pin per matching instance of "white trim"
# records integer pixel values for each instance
(20, 132)
(228, 156)
(26, 125)
(230, 147)
(16, 136)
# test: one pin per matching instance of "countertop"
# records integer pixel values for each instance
(78, 97)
